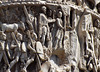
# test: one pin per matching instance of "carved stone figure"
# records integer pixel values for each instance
(43, 25)
(3, 49)
(49, 36)
(31, 47)
(59, 33)
(16, 45)
(23, 56)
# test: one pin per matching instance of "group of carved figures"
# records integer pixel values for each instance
(29, 38)
(89, 36)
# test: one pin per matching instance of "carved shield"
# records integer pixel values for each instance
(39, 49)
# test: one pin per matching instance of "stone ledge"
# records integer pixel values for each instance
(70, 4)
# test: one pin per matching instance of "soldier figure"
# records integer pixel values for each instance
(31, 46)
(23, 57)
(15, 45)
(2, 48)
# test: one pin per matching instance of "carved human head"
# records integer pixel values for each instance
(60, 14)
(44, 9)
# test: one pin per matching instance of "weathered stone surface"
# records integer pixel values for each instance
(49, 35)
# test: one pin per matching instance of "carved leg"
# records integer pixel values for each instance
(5, 58)
(22, 59)
(49, 39)
(1, 55)
(8, 51)
(27, 64)
(49, 44)
(14, 61)
(16, 70)
(43, 39)
(89, 61)
(44, 32)
(56, 43)
(60, 41)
